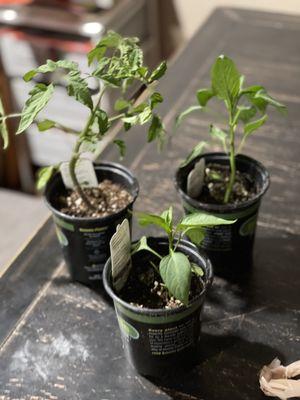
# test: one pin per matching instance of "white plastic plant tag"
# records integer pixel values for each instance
(85, 174)
(195, 179)
(120, 246)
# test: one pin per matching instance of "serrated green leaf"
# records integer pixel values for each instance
(121, 146)
(50, 66)
(151, 219)
(96, 53)
(39, 96)
(155, 129)
(254, 125)
(158, 72)
(155, 99)
(121, 104)
(197, 151)
(225, 80)
(175, 270)
(204, 95)
(185, 113)
(78, 88)
(102, 121)
(202, 219)
(143, 71)
(45, 125)
(127, 126)
(44, 174)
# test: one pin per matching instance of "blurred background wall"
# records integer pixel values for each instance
(192, 13)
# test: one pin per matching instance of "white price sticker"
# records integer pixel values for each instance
(120, 252)
(84, 171)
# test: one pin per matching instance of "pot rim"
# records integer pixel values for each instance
(97, 166)
(189, 247)
(225, 208)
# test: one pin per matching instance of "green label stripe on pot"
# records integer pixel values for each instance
(61, 236)
(64, 224)
(157, 319)
(127, 328)
(233, 215)
(248, 227)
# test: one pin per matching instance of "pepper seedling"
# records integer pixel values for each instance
(244, 105)
(175, 268)
(118, 65)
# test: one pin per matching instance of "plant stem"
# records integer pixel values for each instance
(17, 115)
(76, 152)
(232, 159)
(115, 117)
(178, 241)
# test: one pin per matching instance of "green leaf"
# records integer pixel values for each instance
(196, 235)
(185, 113)
(140, 246)
(254, 125)
(225, 80)
(252, 89)
(140, 115)
(155, 129)
(45, 125)
(122, 147)
(78, 88)
(258, 102)
(155, 99)
(39, 96)
(245, 114)
(44, 175)
(197, 151)
(217, 133)
(197, 270)
(202, 219)
(110, 40)
(3, 127)
(175, 270)
(167, 215)
(96, 53)
(50, 66)
(158, 72)
(143, 71)
(263, 95)
(121, 104)
(203, 95)
(151, 219)
(102, 120)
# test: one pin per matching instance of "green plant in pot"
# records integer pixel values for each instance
(229, 184)
(88, 200)
(159, 290)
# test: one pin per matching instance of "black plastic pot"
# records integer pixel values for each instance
(229, 247)
(85, 241)
(158, 342)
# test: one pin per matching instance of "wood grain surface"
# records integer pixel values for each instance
(60, 340)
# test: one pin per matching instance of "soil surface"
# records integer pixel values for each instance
(108, 198)
(215, 183)
(145, 288)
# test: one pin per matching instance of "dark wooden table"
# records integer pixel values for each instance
(60, 340)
